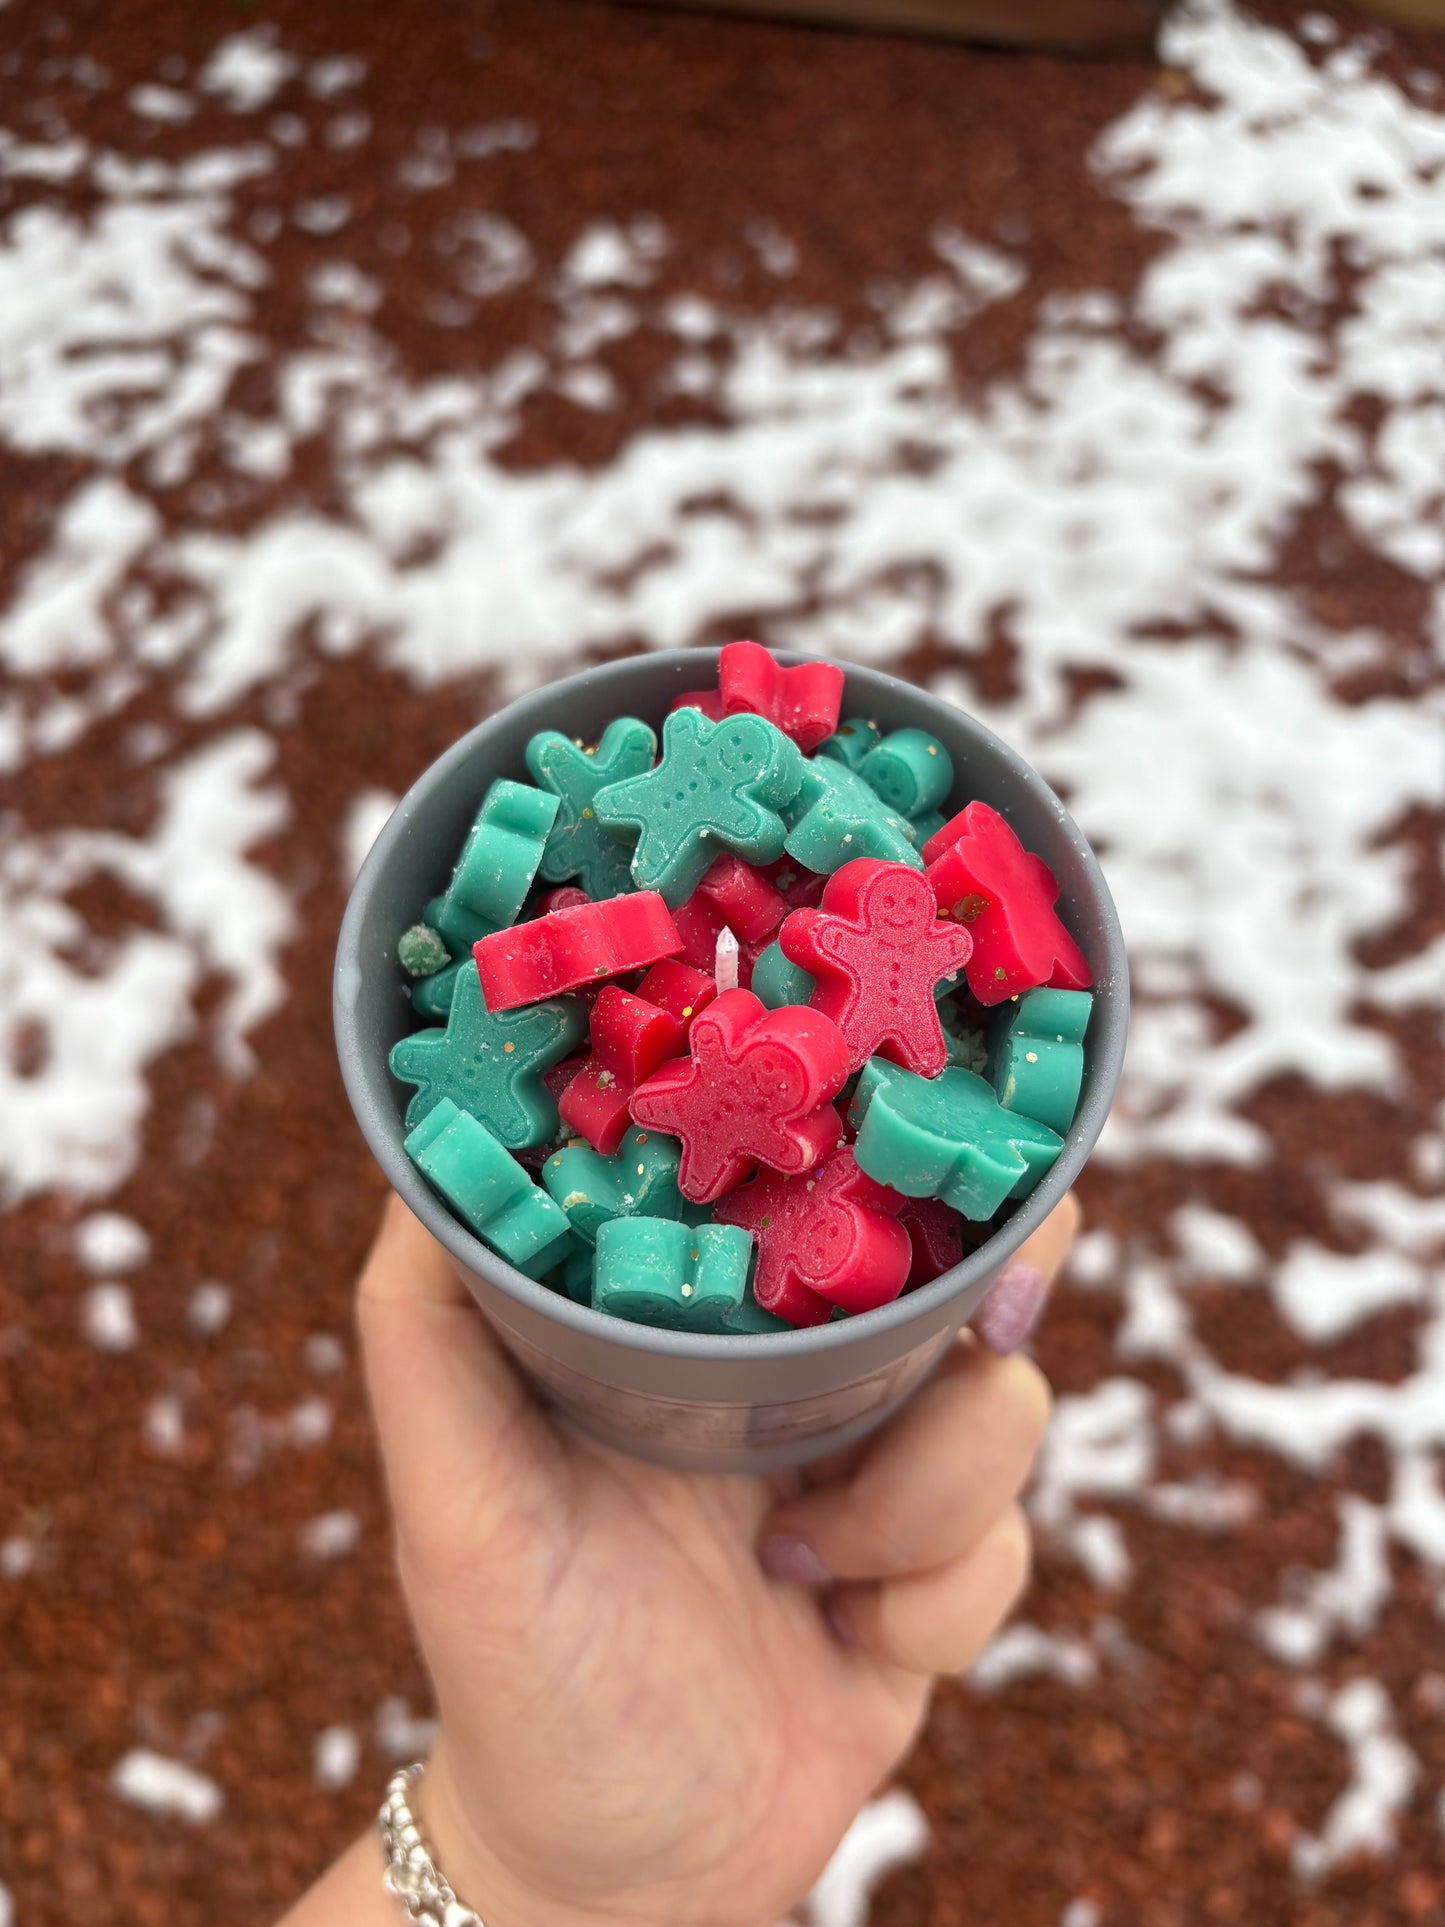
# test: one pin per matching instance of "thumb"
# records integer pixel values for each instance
(468, 1450)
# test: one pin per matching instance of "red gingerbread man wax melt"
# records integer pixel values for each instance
(828, 1238)
(984, 877)
(756, 1089)
(877, 951)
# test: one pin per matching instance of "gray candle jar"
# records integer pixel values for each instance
(701, 1403)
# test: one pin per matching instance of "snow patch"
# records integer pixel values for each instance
(166, 1787)
(1383, 1771)
(889, 1832)
(107, 1241)
(107, 1317)
(335, 1758)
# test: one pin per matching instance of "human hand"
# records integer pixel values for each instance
(638, 1723)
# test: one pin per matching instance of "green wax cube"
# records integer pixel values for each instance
(946, 1137)
(1038, 1066)
(910, 770)
(776, 980)
(489, 1190)
(657, 1272)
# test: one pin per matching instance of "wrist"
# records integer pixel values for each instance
(480, 1877)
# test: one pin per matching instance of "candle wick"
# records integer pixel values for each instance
(725, 966)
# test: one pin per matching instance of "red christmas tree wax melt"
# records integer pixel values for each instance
(756, 1089)
(984, 877)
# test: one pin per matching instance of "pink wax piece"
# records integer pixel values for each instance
(984, 877)
(877, 949)
(755, 1089)
(935, 1234)
(565, 897)
(802, 702)
(571, 947)
(630, 1038)
(824, 1239)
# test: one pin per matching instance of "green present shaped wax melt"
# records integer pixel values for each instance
(657, 1272)
(910, 770)
(496, 868)
(1039, 1056)
(718, 788)
(639, 1181)
(946, 1137)
(489, 1190)
(491, 1066)
(838, 817)
(579, 845)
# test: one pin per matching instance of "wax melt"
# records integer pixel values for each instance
(639, 1179)
(851, 741)
(578, 845)
(946, 1137)
(837, 818)
(719, 787)
(983, 876)
(488, 1189)
(826, 1238)
(777, 981)
(630, 1038)
(877, 950)
(571, 947)
(935, 1232)
(421, 952)
(802, 701)
(756, 1089)
(658, 1272)
(910, 770)
(490, 1064)
(497, 865)
(1039, 1056)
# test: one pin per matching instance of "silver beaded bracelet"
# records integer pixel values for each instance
(410, 1872)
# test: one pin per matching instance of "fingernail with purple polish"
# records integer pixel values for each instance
(1011, 1309)
(784, 1556)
